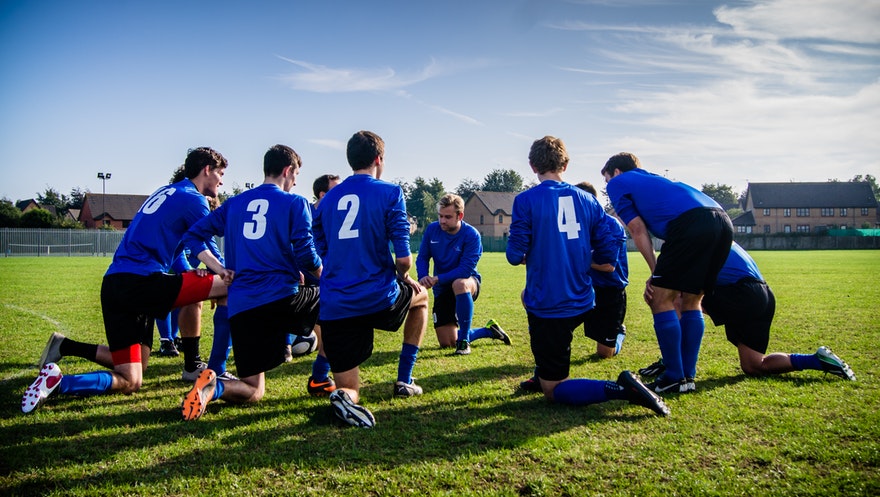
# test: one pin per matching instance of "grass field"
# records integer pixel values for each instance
(472, 433)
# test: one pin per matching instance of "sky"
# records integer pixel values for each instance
(703, 91)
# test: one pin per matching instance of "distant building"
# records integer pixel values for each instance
(116, 210)
(807, 207)
(31, 204)
(490, 212)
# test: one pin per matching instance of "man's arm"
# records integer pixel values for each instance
(403, 265)
(639, 232)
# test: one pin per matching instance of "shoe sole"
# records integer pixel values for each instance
(351, 413)
(196, 401)
(38, 391)
(638, 390)
(834, 364)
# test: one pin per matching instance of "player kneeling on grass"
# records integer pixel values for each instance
(137, 288)
(268, 241)
(745, 305)
(456, 248)
(557, 230)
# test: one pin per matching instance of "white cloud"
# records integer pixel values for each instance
(323, 79)
(329, 143)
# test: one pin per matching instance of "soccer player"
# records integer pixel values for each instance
(268, 242)
(137, 288)
(745, 305)
(456, 248)
(364, 287)
(556, 230)
(697, 235)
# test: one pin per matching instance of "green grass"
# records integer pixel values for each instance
(471, 433)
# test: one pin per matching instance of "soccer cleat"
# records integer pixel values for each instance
(349, 412)
(661, 385)
(638, 393)
(288, 353)
(52, 350)
(226, 376)
(618, 344)
(834, 365)
(690, 385)
(194, 374)
(655, 369)
(320, 388)
(462, 347)
(533, 384)
(38, 391)
(167, 348)
(196, 401)
(402, 389)
(497, 332)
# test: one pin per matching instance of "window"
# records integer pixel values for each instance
(766, 228)
(786, 212)
(843, 226)
(803, 228)
(864, 211)
(743, 229)
(827, 211)
(500, 218)
(803, 212)
(481, 219)
(786, 228)
(843, 211)
(766, 212)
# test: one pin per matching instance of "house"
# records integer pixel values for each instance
(807, 207)
(116, 210)
(489, 213)
(30, 204)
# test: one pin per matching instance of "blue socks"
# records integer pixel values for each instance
(668, 331)
(222, 340)
(581, 391)
(407, 362)
(320, 368)
(95, 383)
(801, 362)
(464, 312)
(218, 391)
(692, 327)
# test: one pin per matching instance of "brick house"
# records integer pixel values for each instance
(116, 210)
(489, 213)
(807, 207)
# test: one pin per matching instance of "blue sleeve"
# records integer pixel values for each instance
(520, 232)
(181, 264)
(424, 256)
(397, 226)
(301, 237)
(198, 238)
(602, 240)
(621, 201)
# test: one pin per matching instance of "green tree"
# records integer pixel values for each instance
(37, 218)
(503, 180)
(723, 194)
(421, 202)
(10, 216)
(467, 188)
(53, 198)
(76, 198)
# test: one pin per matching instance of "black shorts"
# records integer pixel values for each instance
(131, 303)
(259, 335)
(444, 305)
(603, 322)
(348, 342)
(550, 340)
(746, 310)
(696, 246)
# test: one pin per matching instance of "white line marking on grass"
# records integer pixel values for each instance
(29, 372)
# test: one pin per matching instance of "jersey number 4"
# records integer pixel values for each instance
(566, 219)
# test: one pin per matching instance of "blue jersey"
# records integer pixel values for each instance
(357, 223)
(455, 256)
(619, 278)
(268, 242)
(557, 229)
(654, 198)
(310, 279)
(739, 265)
(150, 243)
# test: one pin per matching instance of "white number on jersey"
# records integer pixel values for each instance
(566, 218)
(155, 201)
(352, 204)
(254, 230)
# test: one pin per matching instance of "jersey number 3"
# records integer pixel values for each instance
(255, 229)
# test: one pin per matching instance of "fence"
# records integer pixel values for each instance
(58, 242)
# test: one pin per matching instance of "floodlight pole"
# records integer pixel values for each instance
(103, 177)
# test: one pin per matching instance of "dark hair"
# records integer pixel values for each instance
(623, 162)
(548, 154)
(279, 157)
(322, 183)
(587, 187)
(198, 158)
(178, 175)
(363, 148)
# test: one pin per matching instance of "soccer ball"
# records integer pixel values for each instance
(304, 345)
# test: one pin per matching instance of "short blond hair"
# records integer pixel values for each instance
(451, 199)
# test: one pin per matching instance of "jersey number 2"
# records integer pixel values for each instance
(350, 203)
